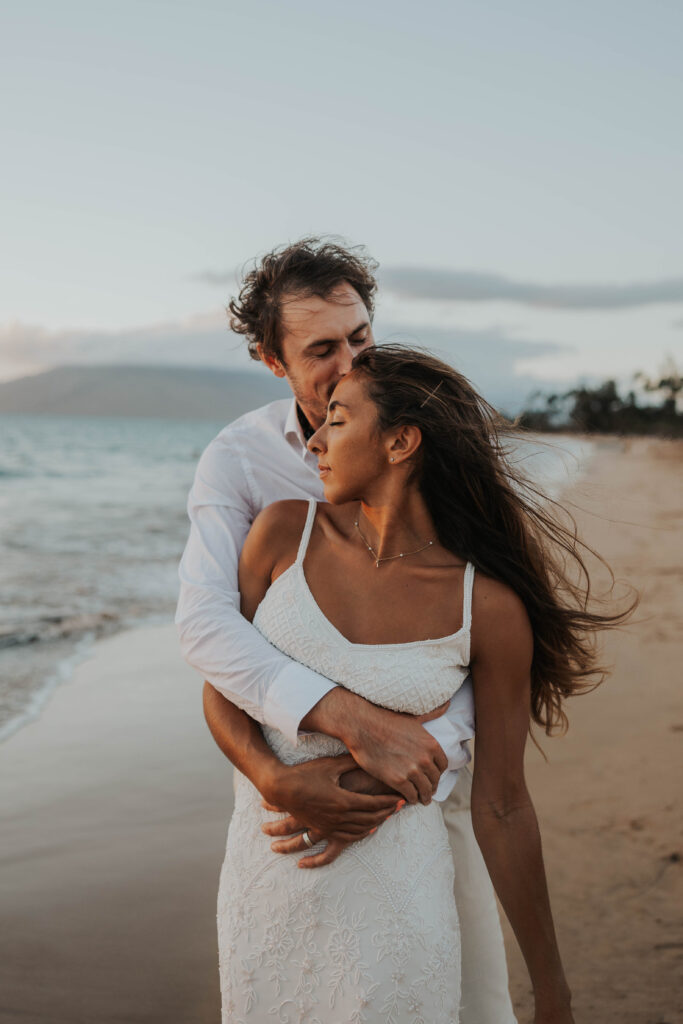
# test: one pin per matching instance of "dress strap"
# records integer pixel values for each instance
(306, 535)
(467, 596)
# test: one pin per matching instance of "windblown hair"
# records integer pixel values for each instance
(312, 266)
(488, 512)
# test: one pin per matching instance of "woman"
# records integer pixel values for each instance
(433, 559)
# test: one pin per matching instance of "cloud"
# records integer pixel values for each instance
(480, 286)
(218, 278)
(476, 286)
(488, 357)
(202, 340)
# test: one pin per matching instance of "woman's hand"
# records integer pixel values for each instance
(389, 745)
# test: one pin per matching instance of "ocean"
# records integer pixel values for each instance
(92, 526)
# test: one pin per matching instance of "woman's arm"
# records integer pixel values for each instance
(503, 815)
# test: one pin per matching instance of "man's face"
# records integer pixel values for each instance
(320, 339)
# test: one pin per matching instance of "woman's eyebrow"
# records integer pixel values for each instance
(333, 405)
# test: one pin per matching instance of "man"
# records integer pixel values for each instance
(306, 311)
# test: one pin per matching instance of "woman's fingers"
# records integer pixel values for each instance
(410, 792)
(435, 713)
(425, 778)
(364, 802)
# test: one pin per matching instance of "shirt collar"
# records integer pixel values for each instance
(293, 431)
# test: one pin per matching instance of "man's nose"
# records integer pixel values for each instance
(345, 357)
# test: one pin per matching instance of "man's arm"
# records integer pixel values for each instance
(240, 663)
(214, 637)
(312, 791)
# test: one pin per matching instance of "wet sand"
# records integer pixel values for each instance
(114, 807)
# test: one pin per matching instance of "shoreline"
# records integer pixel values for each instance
(84, 647)
(115, 804)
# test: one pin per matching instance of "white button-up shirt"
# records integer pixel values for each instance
(258, 459)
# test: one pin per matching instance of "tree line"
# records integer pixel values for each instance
(603, 410)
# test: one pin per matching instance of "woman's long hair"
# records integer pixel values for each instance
(488, 512)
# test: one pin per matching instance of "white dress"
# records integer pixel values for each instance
(373, 937)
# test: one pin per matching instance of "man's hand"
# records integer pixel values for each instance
(291, 831)
(390, 746)
(312, 860)
(313, 796)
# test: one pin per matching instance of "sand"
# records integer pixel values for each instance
(608, 799)
(114, 807)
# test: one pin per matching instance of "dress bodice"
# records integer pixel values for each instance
(413, 677)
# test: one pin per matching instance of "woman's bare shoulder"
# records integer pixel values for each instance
(275, 532)
(499, 616)
(278, 526)
(287, 514)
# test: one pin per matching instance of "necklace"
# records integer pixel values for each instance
(389, 558)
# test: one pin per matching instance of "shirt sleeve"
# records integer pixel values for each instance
(452, 731)
(215, 638)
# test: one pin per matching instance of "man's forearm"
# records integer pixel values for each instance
(388, 745)
(242, 741)
(334, 714)
(311, 791)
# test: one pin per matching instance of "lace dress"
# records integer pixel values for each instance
(374, 936)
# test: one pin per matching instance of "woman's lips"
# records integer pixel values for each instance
(322, 470)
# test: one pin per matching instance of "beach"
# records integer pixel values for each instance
(114, 805)
(608, 799)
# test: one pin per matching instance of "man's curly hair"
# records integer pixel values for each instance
(311, 266)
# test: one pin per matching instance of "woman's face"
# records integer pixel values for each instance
(352, 452)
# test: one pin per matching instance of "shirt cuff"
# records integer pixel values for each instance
(452, 730)
(295, 690)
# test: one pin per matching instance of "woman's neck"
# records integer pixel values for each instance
(396, 524)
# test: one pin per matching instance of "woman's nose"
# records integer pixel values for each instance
(316, 444)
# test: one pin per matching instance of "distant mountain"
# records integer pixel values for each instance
(160, 391)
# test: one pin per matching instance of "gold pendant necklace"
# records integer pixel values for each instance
(389, 558)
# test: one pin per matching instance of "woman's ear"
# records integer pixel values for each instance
(403, 443)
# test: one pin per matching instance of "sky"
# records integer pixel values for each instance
(515, 168)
